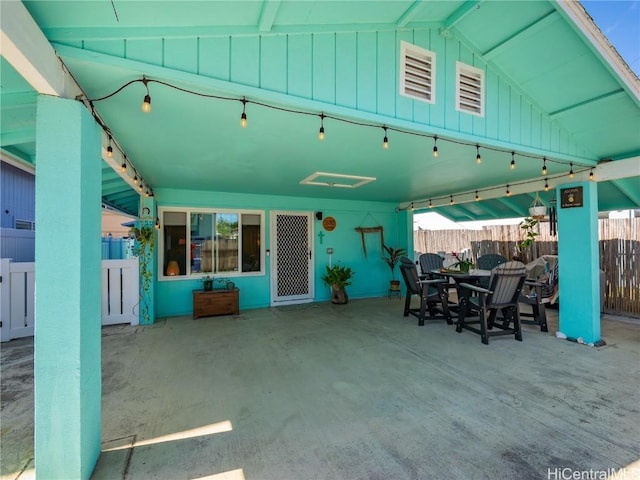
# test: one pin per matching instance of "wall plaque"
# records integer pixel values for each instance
(329, 224)
(571, 197)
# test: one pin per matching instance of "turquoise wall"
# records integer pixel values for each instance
(68, 291)
(372, 275)
(352, 70)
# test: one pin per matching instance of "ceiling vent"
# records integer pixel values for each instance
(469, 89)
(417, 73)
(336, 180)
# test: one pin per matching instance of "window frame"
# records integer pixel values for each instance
(209, 210)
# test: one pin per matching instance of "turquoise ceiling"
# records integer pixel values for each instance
(548, 93)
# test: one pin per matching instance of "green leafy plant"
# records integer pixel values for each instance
(337, 276)
(528, 225)
(393, 257)
(463, 264)
(144, 237)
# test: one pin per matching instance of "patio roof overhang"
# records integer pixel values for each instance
(550, 53)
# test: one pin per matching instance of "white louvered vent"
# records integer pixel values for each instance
(417, 73)
(469, 89)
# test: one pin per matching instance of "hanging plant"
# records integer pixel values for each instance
(144, 237)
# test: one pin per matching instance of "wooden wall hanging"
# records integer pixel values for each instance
(364, 230)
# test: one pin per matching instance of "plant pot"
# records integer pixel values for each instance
(207, 285)
(231, 286)
(339, 295)
(538, 211)
(394, 285)
(464, 267)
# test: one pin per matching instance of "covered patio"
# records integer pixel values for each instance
(263, 139)
(348, 392)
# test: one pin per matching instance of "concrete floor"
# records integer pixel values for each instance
(357, 391)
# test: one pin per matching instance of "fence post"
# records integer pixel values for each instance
(5, 299)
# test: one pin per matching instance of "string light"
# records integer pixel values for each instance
(135, 178)
(123, 167)
(591, 174)
(508, 192)
(451, 202)
(411, 207)
(571, 171)
(243, 117)
(157, 223)
(321, 131)
(546, 185)
(477, 196)
(544, 166)
(140, 186)
(146, 104)
(109, 149)
(146, 193)
(385, 140)
(430, 204)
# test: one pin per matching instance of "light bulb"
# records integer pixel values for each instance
(544, 167)
(146, 104)
(110, 151)
(243, 120)
(435, 147)
(321, 133)
(123, 167)
(508, 192)
(477, 197)
(591, 174)
(135, 179)
(478, 157)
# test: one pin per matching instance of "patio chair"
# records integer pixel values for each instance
(489, 261)
(540, 291)
(429, 262)
(503, 294)
(434, 304)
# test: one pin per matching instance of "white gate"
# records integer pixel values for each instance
(17, 282)
(17, 288)
(120, 291)
(291, 258)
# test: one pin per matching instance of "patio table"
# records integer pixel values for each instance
(473, 276)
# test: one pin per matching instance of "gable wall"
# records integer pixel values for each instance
(358, 70)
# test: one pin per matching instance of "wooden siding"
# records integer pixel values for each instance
(357, 70)
(18, 196)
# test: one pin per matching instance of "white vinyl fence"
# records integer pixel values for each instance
(17, 289)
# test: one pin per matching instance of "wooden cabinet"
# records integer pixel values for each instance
(216, 302)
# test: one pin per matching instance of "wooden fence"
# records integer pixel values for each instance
(619, 253)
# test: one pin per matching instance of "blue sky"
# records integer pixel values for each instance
(619, 20)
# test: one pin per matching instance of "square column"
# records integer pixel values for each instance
(68, 291)
(579, 261)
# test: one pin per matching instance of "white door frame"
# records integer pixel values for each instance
(310, 294)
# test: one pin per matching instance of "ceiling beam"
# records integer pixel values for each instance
(607, 97)
(605, 171)
(599, 44)
(268, 15)
(25, 47)
(631, 194)
(17, 137)
(462, 11)
(520, 212)
(17, 162)
(410, 13)
(525, 32)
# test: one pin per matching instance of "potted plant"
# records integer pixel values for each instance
(537, 209)
(207, 283)
(392, 259)
(463, 264)
(338, 277)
